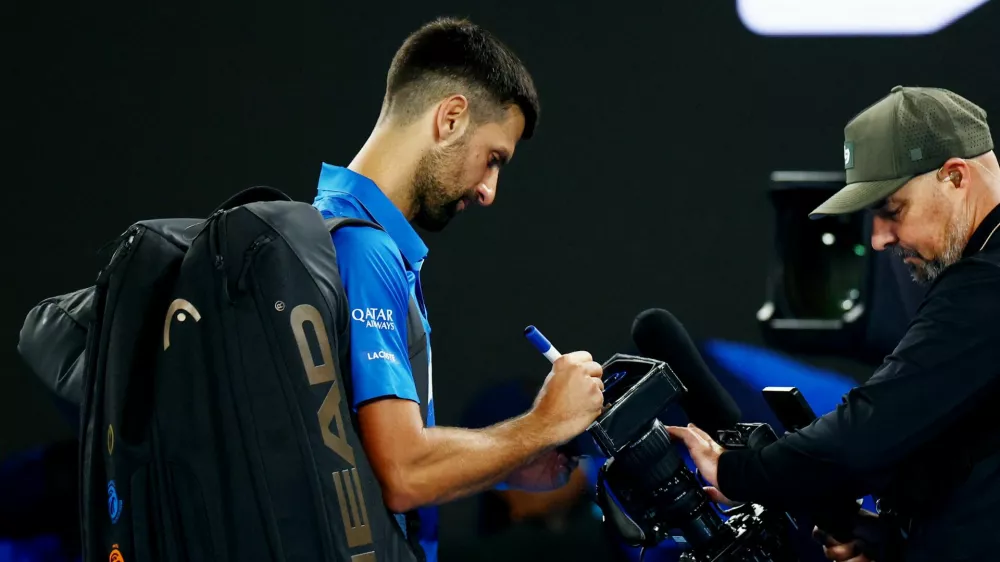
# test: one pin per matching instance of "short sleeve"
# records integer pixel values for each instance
(374, 279)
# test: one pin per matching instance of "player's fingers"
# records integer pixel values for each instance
(593, 369)
(578, 357)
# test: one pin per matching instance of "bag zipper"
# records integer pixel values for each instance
(120, 252)
(251, 253)
(216, 222)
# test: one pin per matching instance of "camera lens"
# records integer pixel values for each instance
(650, 476)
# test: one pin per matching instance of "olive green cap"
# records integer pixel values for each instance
(909, 132)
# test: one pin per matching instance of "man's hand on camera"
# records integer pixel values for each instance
(571, 397)
(705, 453)
(866, 526)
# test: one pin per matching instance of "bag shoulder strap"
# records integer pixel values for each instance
(336, 223)
(252, 195)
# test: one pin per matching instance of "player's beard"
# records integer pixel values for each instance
(955, 238)
(437, 186)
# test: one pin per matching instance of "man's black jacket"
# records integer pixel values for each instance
(904, 432)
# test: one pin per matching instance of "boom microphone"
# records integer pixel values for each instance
(658, 335)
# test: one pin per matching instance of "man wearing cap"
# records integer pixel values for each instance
(921, 434)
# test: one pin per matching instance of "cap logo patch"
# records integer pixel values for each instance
(916, 154)
(848, 155)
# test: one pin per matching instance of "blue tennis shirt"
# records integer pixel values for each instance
(380, 271)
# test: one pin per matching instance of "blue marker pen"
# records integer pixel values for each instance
(541, 343)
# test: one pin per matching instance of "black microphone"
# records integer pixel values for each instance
(658, 335)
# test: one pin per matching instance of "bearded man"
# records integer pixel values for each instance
(457, 102)
(921, 434)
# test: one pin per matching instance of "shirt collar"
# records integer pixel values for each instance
(336, 179)
(987, 233)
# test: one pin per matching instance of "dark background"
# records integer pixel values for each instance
(645, 185)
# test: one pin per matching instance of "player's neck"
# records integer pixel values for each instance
(390, 159)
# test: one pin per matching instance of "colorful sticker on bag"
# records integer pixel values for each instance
(114, 504)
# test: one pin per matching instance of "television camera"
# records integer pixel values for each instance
(646, 492)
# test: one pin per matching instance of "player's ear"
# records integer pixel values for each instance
(451, 119)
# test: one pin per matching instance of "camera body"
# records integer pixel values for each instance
(645, 490)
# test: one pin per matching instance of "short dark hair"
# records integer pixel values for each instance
(448, 56)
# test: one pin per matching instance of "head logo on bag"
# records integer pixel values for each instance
(178, 308)
(306, 317)
(114, 504)
(116, 555)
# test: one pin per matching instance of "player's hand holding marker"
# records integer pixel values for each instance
(572, 396)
